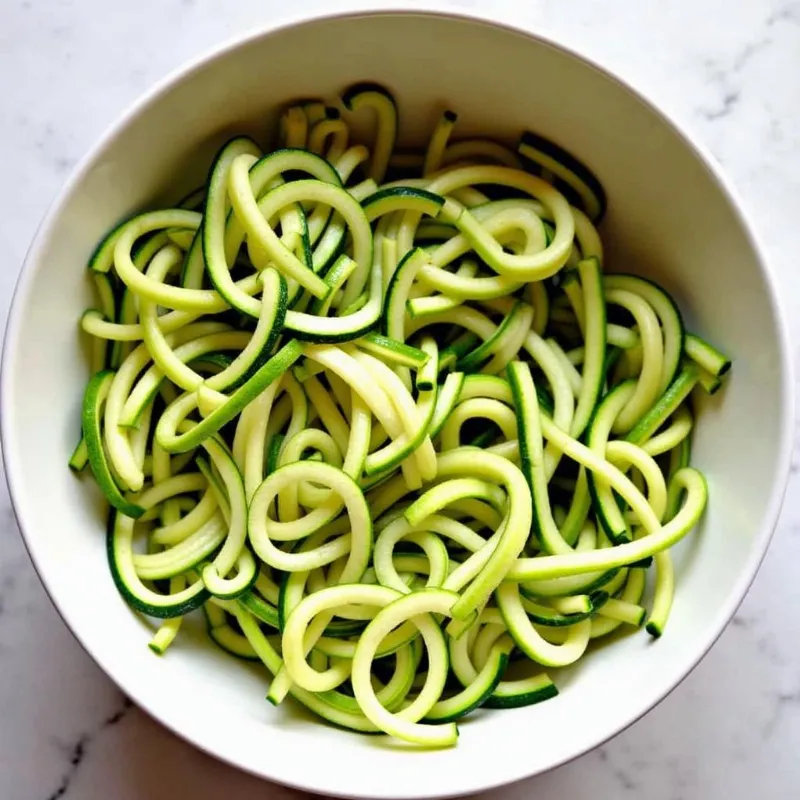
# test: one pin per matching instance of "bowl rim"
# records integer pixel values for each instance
(438, 9)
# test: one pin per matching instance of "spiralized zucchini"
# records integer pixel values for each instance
(387, 419)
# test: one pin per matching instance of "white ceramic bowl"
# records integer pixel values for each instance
(672, 216)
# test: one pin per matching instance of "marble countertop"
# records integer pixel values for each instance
(730, 71)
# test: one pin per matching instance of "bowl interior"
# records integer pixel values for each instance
(668, 218)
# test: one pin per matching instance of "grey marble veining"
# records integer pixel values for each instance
(731, 72)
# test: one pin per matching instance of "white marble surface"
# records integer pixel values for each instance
(730, 70)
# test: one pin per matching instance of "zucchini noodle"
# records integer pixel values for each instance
(389, 420)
